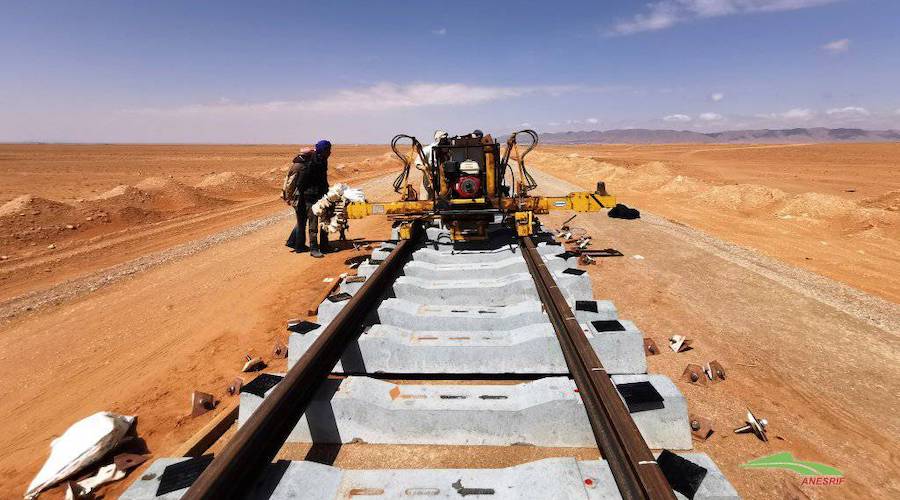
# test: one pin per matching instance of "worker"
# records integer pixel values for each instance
(305, 184)
(427, 191)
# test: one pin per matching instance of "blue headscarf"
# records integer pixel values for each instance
(323, 146)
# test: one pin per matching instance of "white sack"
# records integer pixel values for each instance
(83, 443)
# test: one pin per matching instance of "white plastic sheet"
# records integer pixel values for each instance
(354, 194)
(82, 444)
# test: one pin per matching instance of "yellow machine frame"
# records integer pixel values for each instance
(522, 209)
(518, 209)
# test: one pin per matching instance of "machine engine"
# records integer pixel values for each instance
(463, 164)
(465, 177)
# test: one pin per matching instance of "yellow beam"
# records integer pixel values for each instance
(578, 202)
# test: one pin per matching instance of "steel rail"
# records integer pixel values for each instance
(633, 466)
(236, 469)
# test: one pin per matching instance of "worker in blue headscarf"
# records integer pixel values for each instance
(306, 182)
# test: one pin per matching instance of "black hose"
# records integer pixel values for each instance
(510, 143)
(398, 182)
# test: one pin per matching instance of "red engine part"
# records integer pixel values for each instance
(468, 187)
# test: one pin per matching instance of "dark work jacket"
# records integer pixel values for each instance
(312, 183)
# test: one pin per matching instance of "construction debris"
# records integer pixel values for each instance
(280, 350)
(680, 343)
(235, 387)
(701, 427)
(715, 371)
(606, 252)
(754, 425)
(128, 461)
(81, 445)
(85, 487)
(586, 260)
(693, 374)
(650, 347)
(331, 286)
(115, 471)
(74, 491)
(201, 403)
(700, 375)
(253, 364)
(565, 225)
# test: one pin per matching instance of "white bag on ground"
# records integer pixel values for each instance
(83, 443)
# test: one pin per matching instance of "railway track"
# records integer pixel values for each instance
(509, 309)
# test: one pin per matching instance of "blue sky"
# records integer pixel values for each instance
(291, 72)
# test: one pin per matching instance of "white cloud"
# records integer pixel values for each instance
(795, 114)
(661, 16)
(677, 118)
(718, 96)
(380, 97)
(666, 13)
(593, 121)
(848, 111)
(439, 31)
(710, 117)
(553, 124)
(798, 114)
(837, 46)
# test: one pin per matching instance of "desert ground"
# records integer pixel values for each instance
(133, 275)
(833, 209)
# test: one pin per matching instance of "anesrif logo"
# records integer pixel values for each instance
(813, 473)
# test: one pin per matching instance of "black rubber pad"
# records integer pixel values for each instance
(575, 272)
(567, 255)
(261, 384)
(640, 396)
(586, 305)
(608, 326)
(183, 474)
(302, 327)
(683, 475)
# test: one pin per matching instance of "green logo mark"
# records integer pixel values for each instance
(787, 461)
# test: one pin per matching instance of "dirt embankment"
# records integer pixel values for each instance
(852, 239)
(29, 220)
(69, 210)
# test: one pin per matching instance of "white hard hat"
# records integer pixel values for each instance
(440, 134)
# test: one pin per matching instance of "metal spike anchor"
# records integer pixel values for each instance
(755, 425)
(253, 364)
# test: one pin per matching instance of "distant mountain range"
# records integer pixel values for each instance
(785, 136)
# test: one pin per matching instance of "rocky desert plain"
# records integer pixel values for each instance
(132, 275)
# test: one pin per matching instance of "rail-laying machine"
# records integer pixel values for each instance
(467, 183)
